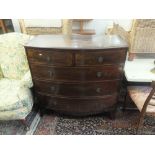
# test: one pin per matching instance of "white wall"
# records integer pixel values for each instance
(100, 25)
(16, 25)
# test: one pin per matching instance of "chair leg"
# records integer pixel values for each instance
(27, 128)
(140, 122)
(131, 56)
(112, 114)
(125, 101)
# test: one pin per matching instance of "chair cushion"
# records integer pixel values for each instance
(15, 114)
(13, 96)
(27, 80)
(13, 59)
(139, 94)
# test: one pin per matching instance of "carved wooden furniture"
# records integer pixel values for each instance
(144, 99)
(77, 75)
(140, 38)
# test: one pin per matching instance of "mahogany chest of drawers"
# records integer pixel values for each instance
(77, 75)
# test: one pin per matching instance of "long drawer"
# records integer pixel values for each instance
(77, 90)
(101, 73)
(100, 57)
(78, 106)
(50, 57)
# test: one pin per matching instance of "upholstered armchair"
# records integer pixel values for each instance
(16, 100)
(140, 38)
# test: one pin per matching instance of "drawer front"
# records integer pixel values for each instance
(50, 57)
(77, 90)
(101, 73)
(100, 57)
(78, 106)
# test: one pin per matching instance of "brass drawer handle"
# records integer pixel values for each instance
(98, 90)
(99, 74)
(48, 59)
(50, 73)
(53, 88)
(54, 103)
(100, 59)
(51, 102)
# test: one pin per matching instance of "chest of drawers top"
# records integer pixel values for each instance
(77, 42)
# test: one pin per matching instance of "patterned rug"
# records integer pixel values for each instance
(52, 124)
(123, 124)
(17, 128)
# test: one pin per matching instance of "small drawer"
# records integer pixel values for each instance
(100, 57)
(77, 90)
(101, 73)
(78, 106)
(50, 57)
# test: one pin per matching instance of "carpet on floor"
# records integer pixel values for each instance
(123, 124)
(15, 127)
(53, 124)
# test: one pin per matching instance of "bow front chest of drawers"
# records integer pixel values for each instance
(77, 75)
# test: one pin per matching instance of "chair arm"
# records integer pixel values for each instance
(118, 30)
(26, 80)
